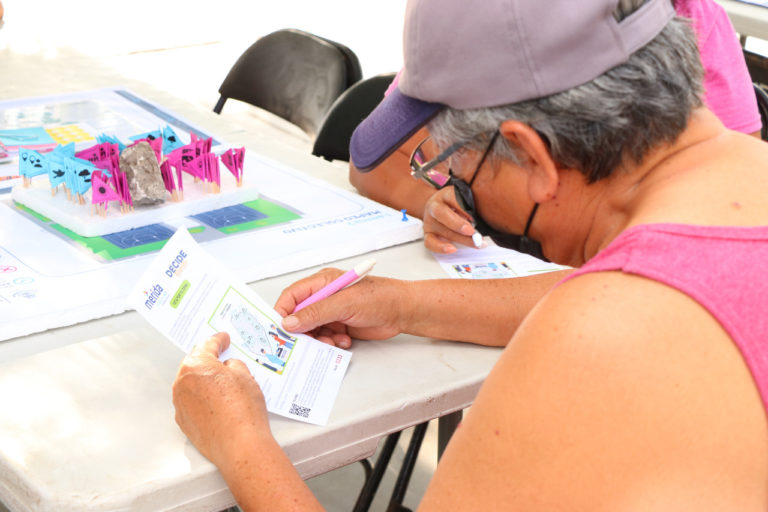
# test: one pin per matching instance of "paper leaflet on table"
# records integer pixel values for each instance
(492, 262)
(188, 296)
(32, 138)
(45, 138)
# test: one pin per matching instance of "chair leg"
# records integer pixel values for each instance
(220, 104)
(446, 425)
(371, 485)
(404, 476)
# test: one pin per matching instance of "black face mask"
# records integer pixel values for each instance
(520, 243)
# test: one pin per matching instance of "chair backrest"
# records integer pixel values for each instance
(757, 65)
(354, 70)
(293, 74)
(762, 106)
(354, 105)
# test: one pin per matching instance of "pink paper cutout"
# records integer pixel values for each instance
(167, 173)
(101, 191)
(233, 160)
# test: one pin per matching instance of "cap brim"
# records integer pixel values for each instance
(391, 123)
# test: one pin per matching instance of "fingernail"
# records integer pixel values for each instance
(290, 322)
(467, 230)
(449, 249)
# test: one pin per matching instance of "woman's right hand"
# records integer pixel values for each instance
(445, 223)
(372, 309)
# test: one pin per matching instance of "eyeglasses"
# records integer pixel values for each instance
(433, 166)
(429, 165)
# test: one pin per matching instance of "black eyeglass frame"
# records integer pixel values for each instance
(425, 171)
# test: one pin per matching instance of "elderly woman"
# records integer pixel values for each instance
(575, 131)
(728, 92)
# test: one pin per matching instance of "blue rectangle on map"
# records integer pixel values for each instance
(139, 236)
(229, 216)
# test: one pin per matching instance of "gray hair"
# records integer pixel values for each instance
(597, 126)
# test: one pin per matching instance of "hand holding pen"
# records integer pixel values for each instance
(446, 224)
(347, 279)
(325, 306)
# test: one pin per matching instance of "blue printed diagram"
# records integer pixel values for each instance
(229, 216)
(140, 236)
(491, 270)
(270, 348)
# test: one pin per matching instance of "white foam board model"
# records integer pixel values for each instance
(82, 219)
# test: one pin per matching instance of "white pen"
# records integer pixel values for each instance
(477, 239)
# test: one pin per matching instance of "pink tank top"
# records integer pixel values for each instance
(725, 269)
(728, 90)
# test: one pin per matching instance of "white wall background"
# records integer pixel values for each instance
(187, 46)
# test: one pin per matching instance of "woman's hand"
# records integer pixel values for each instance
(372, 309)
(445, 223)
(218, 404)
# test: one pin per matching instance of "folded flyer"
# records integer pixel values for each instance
(492, 262)
(188, 296)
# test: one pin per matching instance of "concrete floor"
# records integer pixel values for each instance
(150, 41)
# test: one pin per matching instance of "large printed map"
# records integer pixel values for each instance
(51, 277)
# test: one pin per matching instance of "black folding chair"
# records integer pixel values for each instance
(292, 74)
(762, 106)
(354, 104)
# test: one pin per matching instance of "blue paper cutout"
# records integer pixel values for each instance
(171, 141)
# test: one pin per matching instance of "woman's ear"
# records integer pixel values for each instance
(543, 177)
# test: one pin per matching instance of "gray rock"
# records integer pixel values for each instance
(145, 181)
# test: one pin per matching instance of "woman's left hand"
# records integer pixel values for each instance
(218, 404)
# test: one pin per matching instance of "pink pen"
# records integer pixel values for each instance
(346, 279)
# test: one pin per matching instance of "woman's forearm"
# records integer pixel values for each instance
(486, 312)
(262, 478)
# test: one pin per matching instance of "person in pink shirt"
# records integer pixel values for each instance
(638, 383)
(728, 89)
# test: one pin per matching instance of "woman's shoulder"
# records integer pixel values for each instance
(618, 312)
(598, 301)
(610, 374)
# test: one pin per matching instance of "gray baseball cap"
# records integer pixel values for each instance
(469, 54)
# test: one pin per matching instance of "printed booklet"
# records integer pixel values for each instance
(188, 296)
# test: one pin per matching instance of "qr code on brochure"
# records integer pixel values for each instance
(298, 410)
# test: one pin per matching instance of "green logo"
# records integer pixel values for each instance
(183, 289)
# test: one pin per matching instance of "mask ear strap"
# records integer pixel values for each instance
(530, 219)
(485, 154)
